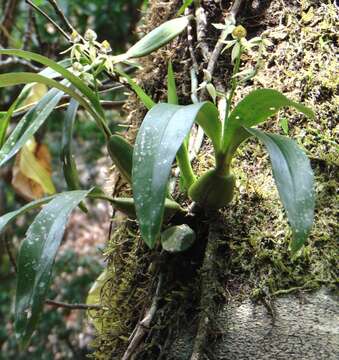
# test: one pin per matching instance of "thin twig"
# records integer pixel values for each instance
(10, 254)
(7, 21)
(110, 87)
(62, 32)
(236, 7)
(29, 29)
(144, 325)
(218, 47)
(201, 22)
(296, 288)
(62, 16)
(73, 306)
(106, 104)
(16, 61)
(190, 43)
(37, 31)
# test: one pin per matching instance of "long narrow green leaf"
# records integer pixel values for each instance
(74, 80)
(257, 107)
(160, 136)
(47, 72)
(34, 118)
(157, 38)
(172, 97)
(7, 218)
(146, 100)
(26, 77)
(294, 179)
(70, 171)
(23, 78)
(121, 152)
(184, 6)
(68, 164)
(29, 124)
(5, 118)
(187, 176)
(36, 258)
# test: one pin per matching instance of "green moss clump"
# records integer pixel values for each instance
(123, 295)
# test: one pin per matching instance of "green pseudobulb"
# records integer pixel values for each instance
(212, 190)
(121, 152)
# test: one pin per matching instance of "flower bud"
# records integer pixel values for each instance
(207, 75)
(239, 32)
(75, 37)
(105, 46)
(90, 35)
(77, 66)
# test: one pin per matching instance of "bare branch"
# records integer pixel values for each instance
(10, 254)
(73, 306)
(208, 292)
(62, 16)
(236, 7)
(16, 61)
(7, 21)
(190, 43)
(37, 32)
(29, 29)
(144, 325)
(62, 32)
(201, 21)
(106, 104)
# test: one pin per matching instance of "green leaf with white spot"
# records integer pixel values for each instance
(160, 136)
(35, 260)
(294, 178)
(7, 218)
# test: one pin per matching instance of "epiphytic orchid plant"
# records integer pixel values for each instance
(163, 136)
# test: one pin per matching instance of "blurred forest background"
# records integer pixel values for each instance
(61, 334)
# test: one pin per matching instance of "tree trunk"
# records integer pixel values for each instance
(237, 293)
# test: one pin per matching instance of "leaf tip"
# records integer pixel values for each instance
(297, 242)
